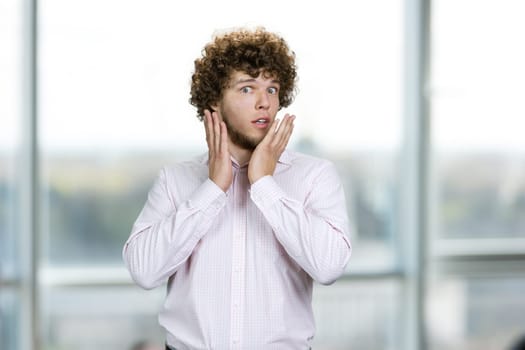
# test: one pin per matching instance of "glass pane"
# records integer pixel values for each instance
(475, 313)
(10, 112)
(104, 132)
(340, 115)
(100, 318)
(114, 109)
(362, 315)
(9, 319)
(371, 184)
(477, 118)
(91, 203)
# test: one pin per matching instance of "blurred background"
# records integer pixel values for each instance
(419, 103)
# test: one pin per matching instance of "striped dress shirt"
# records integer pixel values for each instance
(240, 265)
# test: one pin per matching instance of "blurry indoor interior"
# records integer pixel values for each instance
(419, 104)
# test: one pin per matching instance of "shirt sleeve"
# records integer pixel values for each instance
(314, 232)
(164, 235)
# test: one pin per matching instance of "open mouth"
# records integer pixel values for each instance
(261, 122)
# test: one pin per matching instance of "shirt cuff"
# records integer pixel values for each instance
(266, 191)
(209, 198)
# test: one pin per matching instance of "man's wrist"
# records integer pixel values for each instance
(253, 179)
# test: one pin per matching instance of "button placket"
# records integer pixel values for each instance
(238, 256)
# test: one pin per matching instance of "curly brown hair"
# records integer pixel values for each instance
(253, 52)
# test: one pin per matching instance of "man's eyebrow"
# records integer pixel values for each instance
(251, 80)
(244, 80)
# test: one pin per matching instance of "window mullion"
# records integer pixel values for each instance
(28, 184)
(415, 170)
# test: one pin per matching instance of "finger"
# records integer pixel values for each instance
(216, 131)
(275, 125)
(289, 125)
(285, 123)
(286, 138)
(271, 132)
(224, 138)
(288, 132)
(283, 129)
(207, 127)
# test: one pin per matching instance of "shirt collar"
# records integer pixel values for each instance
(285, 158)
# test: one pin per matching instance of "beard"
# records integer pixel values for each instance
(237, 137)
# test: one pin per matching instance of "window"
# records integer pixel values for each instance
(113, 109)
(11, 116)
(478, 312)
(10, 109)
(478, 207)
(116, 317)
(477, 119)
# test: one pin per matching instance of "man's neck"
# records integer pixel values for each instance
(241, 155)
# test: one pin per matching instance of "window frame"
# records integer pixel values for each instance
(419, 253)
(409, 271)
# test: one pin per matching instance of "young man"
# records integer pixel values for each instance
(241, 233)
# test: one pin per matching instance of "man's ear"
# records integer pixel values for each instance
(216, 108)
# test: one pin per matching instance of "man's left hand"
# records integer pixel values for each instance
(265, 156)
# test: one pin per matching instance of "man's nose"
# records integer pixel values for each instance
(263, 100)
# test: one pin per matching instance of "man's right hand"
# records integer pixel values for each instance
(220, 163)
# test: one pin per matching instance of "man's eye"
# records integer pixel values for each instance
(273, 90)
(246, 89)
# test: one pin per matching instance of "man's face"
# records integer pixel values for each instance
(248, 107)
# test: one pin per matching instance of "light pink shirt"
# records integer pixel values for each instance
(240, 265)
